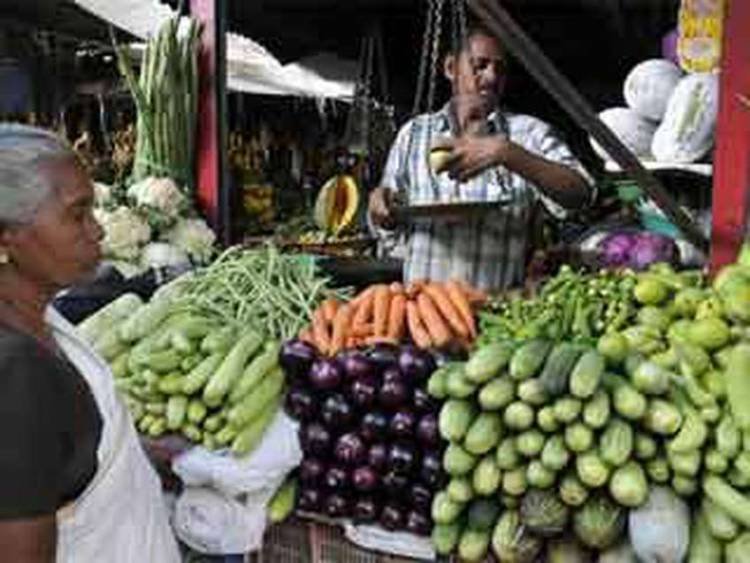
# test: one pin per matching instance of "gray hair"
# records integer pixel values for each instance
(23, 184)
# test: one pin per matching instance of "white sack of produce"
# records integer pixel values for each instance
(649, 86)
(687, 132)
(401, 544)
(214, 524)
(260, 472)
(632, 129)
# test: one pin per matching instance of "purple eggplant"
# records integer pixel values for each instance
(356, 365)
(336, 505)
(300, 403)
(336, 478)
(325, 374)
(350, 449)
(402, 458)
(365, 510)
(428, 432)
(392, 374)
(315, 439)
(418, 523)
(383, 356)
(402, 424)
(310, 499)
(364, 392)
(395, 483)
(391, 517)
(311, 471)
(393, 394)
(431, 471)
(416, 365)
(422, 401)
(296, 358)
(420, 496)
(377, 457)
(365, 479)
(337, 413)
(374, 426)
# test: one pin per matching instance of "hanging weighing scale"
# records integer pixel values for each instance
(455, 210)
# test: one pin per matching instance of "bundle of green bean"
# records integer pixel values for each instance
(570, 305)
(166, 97)
(264, 289)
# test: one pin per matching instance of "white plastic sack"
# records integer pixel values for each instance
(265, 468)
(401, 544)
(649, 85)
(687, 132)
(215, 524)
(634, 131)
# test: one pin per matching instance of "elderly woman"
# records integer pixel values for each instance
(75, 486)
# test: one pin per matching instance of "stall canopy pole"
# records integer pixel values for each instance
(497, 19)
(731, 190)
(212, 188)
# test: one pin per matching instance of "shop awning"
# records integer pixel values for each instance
(251, 68)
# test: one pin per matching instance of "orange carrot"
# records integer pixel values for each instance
(461, 302)
(364, 307)
(397, 317)
(362, 296)
(361, 330)
(396, 288)
(442, 300)
(414, 287)
(474, 295)
(380, 309)
(330, 306)
(352, 342)
(321, 333)
(419, 334)
(340, 328)
(380, 340)
(439, 331)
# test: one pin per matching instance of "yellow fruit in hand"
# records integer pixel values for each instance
(439, 158)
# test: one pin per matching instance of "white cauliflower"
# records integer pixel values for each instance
(124, 232)
(102, 194)
(163, 254)
(161, 194)
(194, 237)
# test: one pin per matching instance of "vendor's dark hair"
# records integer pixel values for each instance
(474, 27)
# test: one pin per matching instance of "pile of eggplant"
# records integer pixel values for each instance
(369, 432)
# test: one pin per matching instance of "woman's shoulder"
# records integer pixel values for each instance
(24, 362)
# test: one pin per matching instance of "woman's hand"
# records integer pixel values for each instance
(470, 155)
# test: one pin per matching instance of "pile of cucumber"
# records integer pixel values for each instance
(599, 421)
(183, 373)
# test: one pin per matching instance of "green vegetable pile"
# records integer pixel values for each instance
(572, 305)
(184, 373)
(551, 431)
(274, 293)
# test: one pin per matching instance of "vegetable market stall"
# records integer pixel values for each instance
(584, 409)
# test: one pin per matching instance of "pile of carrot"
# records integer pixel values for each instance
(431, 314)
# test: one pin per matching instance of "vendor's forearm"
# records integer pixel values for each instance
(560, 183)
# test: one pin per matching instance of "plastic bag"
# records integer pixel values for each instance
(215, 524)
(265, 468)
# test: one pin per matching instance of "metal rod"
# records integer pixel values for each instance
(497, 20)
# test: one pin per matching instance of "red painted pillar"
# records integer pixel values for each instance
(211, 177)
(731, 189)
